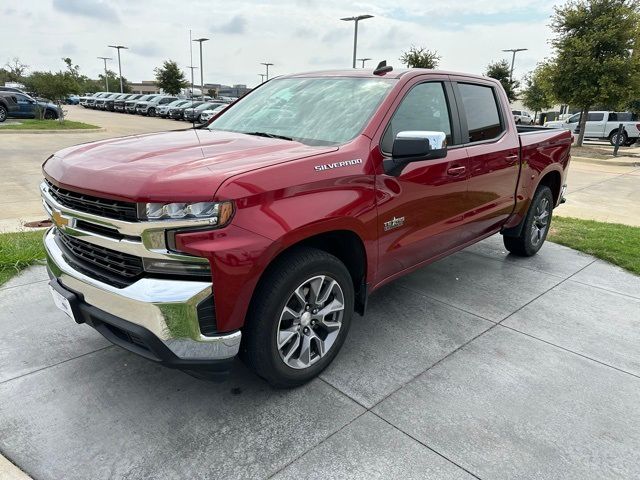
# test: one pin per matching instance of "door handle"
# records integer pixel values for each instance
(456, 171)
(511, 158)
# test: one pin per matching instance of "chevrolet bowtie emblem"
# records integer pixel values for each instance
(58, 219)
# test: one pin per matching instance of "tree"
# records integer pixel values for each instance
(501, 71)
(537, 93)
(15, 70)
(420, 58)
(593, 45)
(113, 79)
(170, 78)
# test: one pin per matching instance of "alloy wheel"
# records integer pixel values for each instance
(310, 321)
(540, 222)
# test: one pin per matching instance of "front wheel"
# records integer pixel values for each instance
(49, 115)
(299, 317)
(151, 112)
(3, 114)
(536, 225)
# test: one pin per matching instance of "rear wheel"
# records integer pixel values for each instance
(614, 138)
(536, 225)
(3, 114)
(299, 317)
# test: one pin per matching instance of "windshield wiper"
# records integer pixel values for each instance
(269, 135)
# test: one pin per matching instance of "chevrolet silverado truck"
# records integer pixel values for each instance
(262, 233)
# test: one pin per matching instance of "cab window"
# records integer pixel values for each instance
(424, 108)
(481, 111)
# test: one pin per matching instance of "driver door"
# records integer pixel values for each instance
(420, 211)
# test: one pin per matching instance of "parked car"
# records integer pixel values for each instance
(20, 105)
(119, 104)
(12, 89)
(100, 103)
(163, 110)
(72, 100)
(177, 113)
(603, 125)
(109, 103)
(192, 114)
(148, 107)
(264, 232)
(208, 114)
(522, 117)
(130, 106)
(91, 101)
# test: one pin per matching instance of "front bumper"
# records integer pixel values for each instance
(153, 317)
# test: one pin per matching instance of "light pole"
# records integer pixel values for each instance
(267, 64)
(200, 41)
(119, 47)
(262, 75)
(192, 69)
(355, 32)
(363, 60)
(513, 59)
(106, 77)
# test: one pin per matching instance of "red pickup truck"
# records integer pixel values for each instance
(263, 232)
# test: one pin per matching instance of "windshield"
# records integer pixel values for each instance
(314, 111)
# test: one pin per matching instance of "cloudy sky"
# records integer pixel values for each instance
(296, 35)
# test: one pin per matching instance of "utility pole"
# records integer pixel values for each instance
(363, 60)
(119, 47)
(355, 32)
(267, 64)
(513, 59)
(192, 69)
(106, 77)
(200, 41)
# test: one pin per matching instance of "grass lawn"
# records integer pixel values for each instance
(18, 251)
(613, 242)
(33, 124)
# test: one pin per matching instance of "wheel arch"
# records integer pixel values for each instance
(553, 180)
(344, 244)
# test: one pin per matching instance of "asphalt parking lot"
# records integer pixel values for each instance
(481, 365)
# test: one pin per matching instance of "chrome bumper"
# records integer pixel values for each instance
(165, 307)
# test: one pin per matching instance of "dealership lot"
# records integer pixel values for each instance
(541, 381)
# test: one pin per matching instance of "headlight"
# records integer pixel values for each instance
(218, 213)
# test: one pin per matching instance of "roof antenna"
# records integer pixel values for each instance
(382, 68)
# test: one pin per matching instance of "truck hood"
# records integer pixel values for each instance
(179, 166)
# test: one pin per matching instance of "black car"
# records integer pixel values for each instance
(118, 103)
(109, 103)
(192, 114)
(177, 113)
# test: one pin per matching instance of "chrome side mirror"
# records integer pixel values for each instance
(414, 146)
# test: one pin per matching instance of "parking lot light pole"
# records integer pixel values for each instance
(355, 32)
(106, 77)
(192, 69)
(363, 60)
(267, 64)
(119, 47)
(262, 75)
(513, 59)
(200, 41)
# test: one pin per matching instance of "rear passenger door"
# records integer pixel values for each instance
(493, 148)
(596, 123)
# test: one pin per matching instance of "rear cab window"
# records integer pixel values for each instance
(481, 111)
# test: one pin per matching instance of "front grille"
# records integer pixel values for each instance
(103, 207)
(112, 267)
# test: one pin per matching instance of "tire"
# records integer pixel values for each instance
(151, 112)
(536, 225)
(623, 138)
(50, 115)
(280, 329)
(3, 114)
(518, 122)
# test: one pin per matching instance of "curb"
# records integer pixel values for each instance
(75, 130)
(8, 471)
(613, 161)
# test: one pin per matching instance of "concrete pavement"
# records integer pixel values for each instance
(482, 365)
(23, 154)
